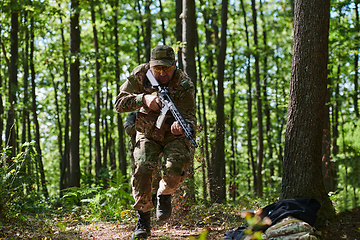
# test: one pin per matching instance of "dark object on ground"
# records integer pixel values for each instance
(304, 209)
(236, 234)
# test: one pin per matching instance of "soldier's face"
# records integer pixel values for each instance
(162, 73)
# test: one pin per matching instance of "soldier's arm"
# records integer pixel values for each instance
(130, 97)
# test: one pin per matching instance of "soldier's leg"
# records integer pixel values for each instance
(146, 155)
(178, 155)
(157, 176)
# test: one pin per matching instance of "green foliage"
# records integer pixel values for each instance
(17, 188)
(99, 203)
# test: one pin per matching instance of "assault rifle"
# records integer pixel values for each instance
(168, 104)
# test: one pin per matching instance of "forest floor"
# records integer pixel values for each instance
(188, 224)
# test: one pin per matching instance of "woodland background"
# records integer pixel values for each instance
(62, 63)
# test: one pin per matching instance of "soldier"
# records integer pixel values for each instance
(169, 141)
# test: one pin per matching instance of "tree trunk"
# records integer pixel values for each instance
(1, 99)
(303, 139)
(25, 113)
(326, 142)
(260, 146)
(120, 125)
(58, 115)
(97, 97)
(268, 128)
(249, 102)
(34, 111)
(74, 168)
(89, 167)
(178, 29)
(140, 25)
(233, 95)
(204, 152)
(188, 59)
(111, 143)
(335, 134)
(163, 30)
(356, 67)
(219, 166)
(64, 164)
(209, 63)
(13, 82)
(147, 37)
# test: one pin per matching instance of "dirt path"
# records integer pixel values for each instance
(102, 231)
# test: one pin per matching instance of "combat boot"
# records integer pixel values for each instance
(163, 209)
(142, 230)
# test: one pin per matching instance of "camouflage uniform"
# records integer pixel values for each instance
(151, 142)
(130, 130)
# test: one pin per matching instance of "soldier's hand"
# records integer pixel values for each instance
(176, 129)
(152, 102)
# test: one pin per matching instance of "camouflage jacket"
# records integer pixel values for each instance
(181, 88)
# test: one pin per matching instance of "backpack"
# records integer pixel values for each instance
(290, 228)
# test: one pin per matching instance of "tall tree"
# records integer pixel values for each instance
(25, 113)
(249, 102)
(188, 55)
(38, 159)
(13, 82)
(302, 160)
(189, 39)
(178, 28)
(120, 128)
(1, 103)
(326, 142)
(74, 168)
(163, 29)
(147, 36)
(265, 97)
(97, 94)
(356, 63)
(64, 162)
(219, 158)
(260, 137)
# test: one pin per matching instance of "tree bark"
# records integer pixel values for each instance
(25, 113)
(260, 146)
(147, 37)
(64, 162)
(303, 139)
(356, 67)
(1, 99)
(39, 162)
(163, 29)
(249, 103)
(188, 58)
(233, 95)
(97, 97)
(268, 128)
(13, 81)
(178, 29)
(219, 166)
(74, 168)
(120, 125)
(205, 159)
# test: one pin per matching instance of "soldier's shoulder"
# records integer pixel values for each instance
(141, 68)
(138, 73)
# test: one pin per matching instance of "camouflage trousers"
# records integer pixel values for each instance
(177, 155)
